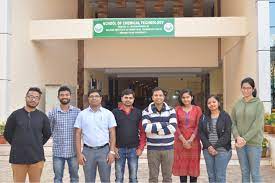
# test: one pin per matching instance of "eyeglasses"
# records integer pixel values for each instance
(31, 97)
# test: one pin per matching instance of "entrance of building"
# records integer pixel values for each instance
(142, 83)
(171, 85)
(142, 87)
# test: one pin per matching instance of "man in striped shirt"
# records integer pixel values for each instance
(159, 122)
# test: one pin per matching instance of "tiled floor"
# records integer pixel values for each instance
(233, 171)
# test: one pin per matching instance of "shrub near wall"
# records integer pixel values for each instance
(2, 128)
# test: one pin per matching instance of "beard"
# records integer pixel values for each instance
(32, 105)
(64, 101)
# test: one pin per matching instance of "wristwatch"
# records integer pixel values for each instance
(112, 152)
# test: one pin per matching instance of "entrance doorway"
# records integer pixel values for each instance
(141, 86)
(113, 81)
(171, 85)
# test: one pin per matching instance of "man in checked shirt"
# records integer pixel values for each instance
(62, 120)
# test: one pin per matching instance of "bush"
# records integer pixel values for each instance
(264, 143)
(267, 119)
(2, 128)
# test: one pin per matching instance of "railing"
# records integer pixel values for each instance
(151, 8)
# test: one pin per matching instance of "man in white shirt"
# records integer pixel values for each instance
(96, 125)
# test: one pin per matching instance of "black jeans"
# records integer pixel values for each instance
(183, 179)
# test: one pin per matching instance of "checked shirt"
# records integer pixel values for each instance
(62, 126)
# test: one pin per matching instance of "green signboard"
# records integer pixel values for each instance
(133, 27)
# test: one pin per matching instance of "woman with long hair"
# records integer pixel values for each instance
(247, 128)
(187, 146)
(215, 135)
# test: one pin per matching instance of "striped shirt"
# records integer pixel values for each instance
(159, 127)
(213, 136)
(62, 126)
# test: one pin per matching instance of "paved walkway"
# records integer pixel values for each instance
(233, 171)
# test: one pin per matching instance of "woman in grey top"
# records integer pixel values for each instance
(215, 134)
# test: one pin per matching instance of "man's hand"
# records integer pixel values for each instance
(161, 132)
(110, 158)
(81, 159)
(138, 152)
(117, 154)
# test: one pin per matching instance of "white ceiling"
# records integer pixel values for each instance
(153, 72)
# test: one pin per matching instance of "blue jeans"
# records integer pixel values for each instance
(96, 158)
(250, 158)
(216, 165)
(58, 168)
(132, 161)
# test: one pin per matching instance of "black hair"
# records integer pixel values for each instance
(251, 82)
(207, 110)
(189, 91)
(64, 88)
(94, 91)
(127, 92)
(159, 89)
(35, 89)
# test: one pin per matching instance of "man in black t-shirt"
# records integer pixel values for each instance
(27, 130)
(130, 136)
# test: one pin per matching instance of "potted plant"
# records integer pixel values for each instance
(272, 122)
(264, 147)
(267, 121)
(2, 128)
(273, 127)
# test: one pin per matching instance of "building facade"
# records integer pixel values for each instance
(215, 44)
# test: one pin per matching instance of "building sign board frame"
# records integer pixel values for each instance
(133, 27)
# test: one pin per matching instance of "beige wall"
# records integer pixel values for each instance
(239, 54)
(166, 52)
(40, 63)
(210, 27)
(216, 81)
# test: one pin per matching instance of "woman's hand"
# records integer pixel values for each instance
(187, 145)
(191, 139)
(240, 142)
(212, 151)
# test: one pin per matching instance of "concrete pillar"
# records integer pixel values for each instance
(263, 52)
(5, 36)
